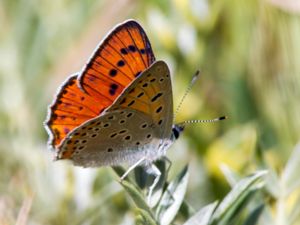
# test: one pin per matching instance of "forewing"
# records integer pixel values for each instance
(118, 60)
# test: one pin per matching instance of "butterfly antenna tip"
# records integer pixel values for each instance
(223, 118)
(203, 121)
(196, 76)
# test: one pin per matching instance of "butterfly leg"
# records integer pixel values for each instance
(131, 168)
(169, 162)
(167, 172)
(154, 171)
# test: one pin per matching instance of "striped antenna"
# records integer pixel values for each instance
(194, 79)
(202, 121)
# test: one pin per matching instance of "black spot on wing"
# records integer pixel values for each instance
(156, 97)
(132, 48)
(138, 73)
(113, 72)
(124, 51)
(158, 110)
(121, 63)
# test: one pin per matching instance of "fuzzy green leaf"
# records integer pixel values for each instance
(290, 176)
(240, 192)
(203, 216)
(231, 177)
(144, 218)
(172, 198)
(254, 215)
(136, 196)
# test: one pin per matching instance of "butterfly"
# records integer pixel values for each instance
(118, 109)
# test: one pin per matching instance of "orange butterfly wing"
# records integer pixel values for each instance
(122, 56)
(118, 60)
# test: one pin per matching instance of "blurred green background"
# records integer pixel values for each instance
(248, 53)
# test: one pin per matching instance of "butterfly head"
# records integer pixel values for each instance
(176, 131)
